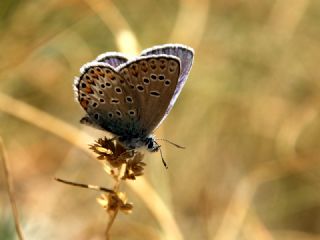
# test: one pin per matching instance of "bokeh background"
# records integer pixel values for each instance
(248, 115)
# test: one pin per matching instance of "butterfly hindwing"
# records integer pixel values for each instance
(185, 55)
(112, 58)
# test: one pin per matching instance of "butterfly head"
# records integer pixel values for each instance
(133, 143)
(151, 144)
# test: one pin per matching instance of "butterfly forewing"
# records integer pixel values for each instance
(152, 81)
(106, 97)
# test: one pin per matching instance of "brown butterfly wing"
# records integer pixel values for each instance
(107, 98)
(152, 81)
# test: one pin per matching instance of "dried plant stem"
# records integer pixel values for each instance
(10, 190)
(110, 223)
(92, 187)
(114, 214)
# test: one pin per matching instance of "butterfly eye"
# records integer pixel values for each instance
(150, 145)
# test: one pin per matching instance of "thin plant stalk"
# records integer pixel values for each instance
(10, 190)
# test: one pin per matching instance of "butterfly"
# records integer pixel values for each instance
(131, 98)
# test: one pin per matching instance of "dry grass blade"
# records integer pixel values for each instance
(241, 199)
(194, 14)
(285, 17)
(255, 229)
(158, 208)
(111, 16)
(10, 190)
(49, 123)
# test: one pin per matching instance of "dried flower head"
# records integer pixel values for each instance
(113, 202)
(111, 151)
(134, 167)
(121, 164)
(116, 155)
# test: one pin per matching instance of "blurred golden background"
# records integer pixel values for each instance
(248, 115)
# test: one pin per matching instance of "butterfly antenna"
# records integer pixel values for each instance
(172, 143)
(163, 161)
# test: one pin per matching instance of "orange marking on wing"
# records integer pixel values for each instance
(88, 90)
(102, 74)
(110, 75)
(84, 103)
(134, 72)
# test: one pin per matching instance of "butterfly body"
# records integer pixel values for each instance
(130, 99)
